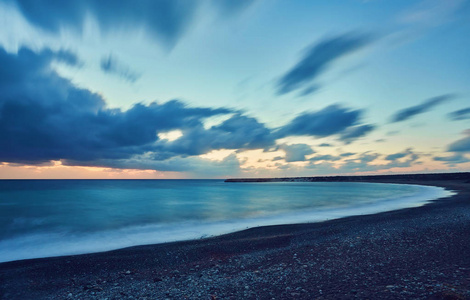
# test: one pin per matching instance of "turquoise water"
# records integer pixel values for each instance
(41, 218)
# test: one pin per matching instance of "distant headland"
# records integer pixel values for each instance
(362, 178)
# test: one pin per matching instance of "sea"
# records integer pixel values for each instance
(45, 218)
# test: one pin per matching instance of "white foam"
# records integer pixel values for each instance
(51, 244)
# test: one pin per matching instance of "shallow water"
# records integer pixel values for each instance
(42, 218)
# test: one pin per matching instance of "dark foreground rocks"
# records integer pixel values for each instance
(418, 253)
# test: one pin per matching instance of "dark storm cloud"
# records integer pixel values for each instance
(328, 121)
(317, 59)
(462, 114)
(355, 132)
(110, 64)
(165, 20)
(45, 117)
(407, 113)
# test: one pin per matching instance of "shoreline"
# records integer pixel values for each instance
(419, 252)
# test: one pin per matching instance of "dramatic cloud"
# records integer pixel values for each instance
(317, 59)
(45, 117)
(296, 152)
(462, 114)
(355, 132)
(462, 145)
(237, 132)
(328, 121)
(110, 64)
(427, 105)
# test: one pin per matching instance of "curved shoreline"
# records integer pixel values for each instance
(419, 253)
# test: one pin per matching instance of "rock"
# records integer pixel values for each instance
(295, 294)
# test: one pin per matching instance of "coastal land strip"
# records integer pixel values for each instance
(413, 253)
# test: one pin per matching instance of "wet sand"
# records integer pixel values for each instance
(414, 253)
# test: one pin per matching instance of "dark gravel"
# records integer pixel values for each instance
(417, 253)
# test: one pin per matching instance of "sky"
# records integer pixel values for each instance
(159, 89)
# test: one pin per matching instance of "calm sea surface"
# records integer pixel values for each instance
(41, 218)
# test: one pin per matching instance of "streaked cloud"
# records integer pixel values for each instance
(110, 64)
(455, 159)
(462, 145)
(399, 155)
(317, 60)
(409, 112)
(333, 119)
(352, 133)
(461, 114)
(164, 20)
(431, 12)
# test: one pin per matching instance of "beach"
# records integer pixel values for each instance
(413, 253)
